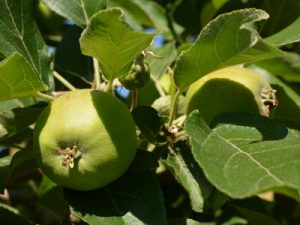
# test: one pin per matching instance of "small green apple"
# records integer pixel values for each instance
(138, 76)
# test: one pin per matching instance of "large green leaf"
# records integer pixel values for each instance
(245, 154)
(227, 40)
(78, 10)
(138, 201)
(112, 42)
(288, 35)
(19, 33)
(18, 79)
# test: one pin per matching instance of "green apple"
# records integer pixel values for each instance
(232, 89)
(85, 139)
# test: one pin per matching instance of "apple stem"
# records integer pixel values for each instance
(63, 81)
(173, 106)
(134, 99)
(96, 73)
(158, 87)
(109, 86)
(46, 97)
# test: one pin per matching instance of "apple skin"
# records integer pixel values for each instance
(103, 131)
(232, 89)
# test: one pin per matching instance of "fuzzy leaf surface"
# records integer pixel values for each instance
(78, 10)
(245, 155)
(227, 40)
(19, 33)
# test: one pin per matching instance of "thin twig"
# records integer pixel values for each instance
(134, 99)
(63, 81)
(109, 86)
(46, 97)
(158, 87)
(96, 73)
(173, 107)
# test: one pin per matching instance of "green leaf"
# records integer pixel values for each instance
(282, 14)
(286, 67)
(149, 123)
(246, 154)
(17, 138)
(189, 175)
(19, 33)
(22, 163)
(227, 40)
(11, 217)
(70, 62)
(158, 66)
(17, 120)
(144, 161)
(134, 15)
(210, 9)
(18, 79)
(148, 93)
(147, 13)
(235, 220)
(4, 171)
(112, 42)
(162, 105)
(288, 109)
(51, 197)
(288, 35)
(135, 200)
(78, 10)
(186, 221)
(16, 103)
(254, 211)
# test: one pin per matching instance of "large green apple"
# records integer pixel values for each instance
(85, 139)
(232, 89)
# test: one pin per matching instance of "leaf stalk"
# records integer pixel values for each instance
(61, 79)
